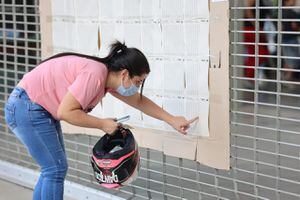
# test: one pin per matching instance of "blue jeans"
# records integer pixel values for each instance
(42, 136)
(292, 63)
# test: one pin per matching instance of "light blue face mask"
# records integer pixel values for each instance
(127, 91)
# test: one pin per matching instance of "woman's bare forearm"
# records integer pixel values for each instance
(79, 118)
(145, 105)
(150, 108)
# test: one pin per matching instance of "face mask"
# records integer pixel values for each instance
(127, 91)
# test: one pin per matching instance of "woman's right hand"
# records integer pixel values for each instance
(109, 125)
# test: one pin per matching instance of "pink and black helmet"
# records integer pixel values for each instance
(116, 159)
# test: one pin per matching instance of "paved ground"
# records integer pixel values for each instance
(11, 191)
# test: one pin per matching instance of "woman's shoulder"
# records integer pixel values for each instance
(95, 67)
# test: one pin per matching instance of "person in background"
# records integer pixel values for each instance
(66, 87)
(290, 38)
(250, 38)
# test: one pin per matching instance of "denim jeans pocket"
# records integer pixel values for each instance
(10, 118)
(39, 115)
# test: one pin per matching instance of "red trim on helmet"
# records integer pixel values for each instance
(110, 163)
(110, 186)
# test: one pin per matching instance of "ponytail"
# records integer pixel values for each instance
(116, 50)
(117, 47)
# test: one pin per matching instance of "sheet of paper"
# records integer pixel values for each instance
(119, 108)
(197, 109)
(86, 10)
(70, 39)
(175, 107)
(150, 122)
(173, 40)
(150, 8)
(174, 77)
(87, 38)
(69, 7)
(107, 10)
(106, 32)
(154, 81)
(118, 8)
(97, 111)
(132, 32)
(214, 1)
(172, 8)
(58, 8)
(59, 37)
(195, 86)
(108, 106)
(118, 33)
(135, 115)
(196, 9)
(197, 44)
(131, 9)
(151, 38)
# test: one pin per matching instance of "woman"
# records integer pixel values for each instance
(66, 87)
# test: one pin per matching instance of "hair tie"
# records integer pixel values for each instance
(122, 48)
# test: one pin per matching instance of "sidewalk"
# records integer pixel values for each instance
(11, 191)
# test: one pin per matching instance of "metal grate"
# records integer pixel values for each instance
(19, 52)
(265, 137)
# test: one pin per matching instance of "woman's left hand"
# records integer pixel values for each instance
(181, 124)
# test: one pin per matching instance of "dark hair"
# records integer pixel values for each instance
(120, 57)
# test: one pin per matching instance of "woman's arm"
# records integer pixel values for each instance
(70, 111)
(150, 108)
(145, 105)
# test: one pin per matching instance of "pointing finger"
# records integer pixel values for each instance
(193, 120)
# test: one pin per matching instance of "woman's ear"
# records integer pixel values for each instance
(124, 72)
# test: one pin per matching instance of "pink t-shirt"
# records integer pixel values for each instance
(48, 83)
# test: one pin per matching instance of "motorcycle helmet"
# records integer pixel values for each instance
(116, 159)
